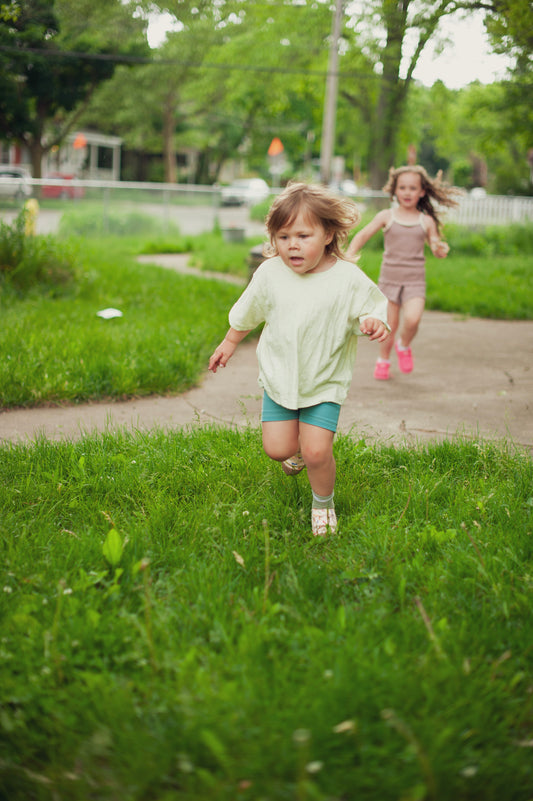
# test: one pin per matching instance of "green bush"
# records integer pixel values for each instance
(492, 240)
(98, 222)
(260, 211)
(27, 261)
(212, 252)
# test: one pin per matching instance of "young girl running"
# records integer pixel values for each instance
(314, 305)
(403, 277)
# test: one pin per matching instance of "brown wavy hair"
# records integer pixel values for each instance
(435, 189)
(337, 215)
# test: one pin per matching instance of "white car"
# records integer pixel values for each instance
(245, 191)
(345, 187)
(14, 182)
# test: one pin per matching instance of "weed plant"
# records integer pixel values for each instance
(95, 220)
(171, 629)
(29, 262)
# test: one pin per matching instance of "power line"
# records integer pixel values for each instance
(125, 59)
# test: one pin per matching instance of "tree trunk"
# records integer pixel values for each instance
(384, 139)
(383, 142)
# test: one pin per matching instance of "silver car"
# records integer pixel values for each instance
(245, 191)
(14, 182)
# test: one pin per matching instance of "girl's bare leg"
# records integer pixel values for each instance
(280, 439)
(317, 450)
(393, 319)
(283, 439)
(412, 314)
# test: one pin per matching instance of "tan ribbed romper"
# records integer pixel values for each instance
(403, 269)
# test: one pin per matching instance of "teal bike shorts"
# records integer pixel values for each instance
(323, 415)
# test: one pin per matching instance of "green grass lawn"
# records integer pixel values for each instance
(170, 628)
(500, 288)
(56, 348)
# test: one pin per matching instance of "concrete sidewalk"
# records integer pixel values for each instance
(472, 378)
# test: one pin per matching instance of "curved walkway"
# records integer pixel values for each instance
(472, 378)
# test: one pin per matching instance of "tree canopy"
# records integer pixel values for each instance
(236, 73)
(53, 54)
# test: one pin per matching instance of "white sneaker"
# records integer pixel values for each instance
(322, 520)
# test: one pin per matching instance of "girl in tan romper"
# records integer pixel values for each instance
(402, 279)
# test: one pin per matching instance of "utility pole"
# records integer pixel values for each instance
(330, 100)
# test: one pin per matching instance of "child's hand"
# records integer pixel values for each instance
(374, 329)
(222, 355)
(439, 248)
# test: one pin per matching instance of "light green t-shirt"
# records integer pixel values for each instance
(306, 352)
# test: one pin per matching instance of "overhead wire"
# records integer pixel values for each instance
(125, 59)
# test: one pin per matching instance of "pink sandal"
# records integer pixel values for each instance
(405, 358)
(381, 371)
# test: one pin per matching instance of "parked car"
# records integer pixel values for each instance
(345, 187)
(62, 190)
(245, 191)
(14, 182)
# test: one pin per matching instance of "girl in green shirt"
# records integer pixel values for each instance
(314, 305)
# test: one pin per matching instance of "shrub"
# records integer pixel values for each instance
(98, 222)
(27, 261)
(492, 240)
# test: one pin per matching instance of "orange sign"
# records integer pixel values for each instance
(276, 147)
(79, 142)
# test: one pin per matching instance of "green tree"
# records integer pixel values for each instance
(383, 29)
(164, 101)
(238, 73)
(511, 32)
(225, 84)
(53, 54)
(509, 26)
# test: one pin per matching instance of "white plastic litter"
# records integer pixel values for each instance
(108, 314)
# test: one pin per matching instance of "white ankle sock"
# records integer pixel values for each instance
(400, 346)
(323, 501)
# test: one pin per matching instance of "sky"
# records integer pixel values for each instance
(466, 59)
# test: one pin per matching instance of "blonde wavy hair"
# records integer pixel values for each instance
(337, 215)
(435, 189)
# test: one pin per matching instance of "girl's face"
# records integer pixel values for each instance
(302, 245)
(409, 190)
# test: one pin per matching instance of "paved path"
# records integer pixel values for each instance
(472, 378)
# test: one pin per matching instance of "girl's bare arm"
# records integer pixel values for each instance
(438, 247)
(362, 236)
(226, 349)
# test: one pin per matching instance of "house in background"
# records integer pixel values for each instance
(84, 154)
(87, 154)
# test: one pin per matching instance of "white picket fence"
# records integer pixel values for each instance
(472, 210)
(491, 210)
